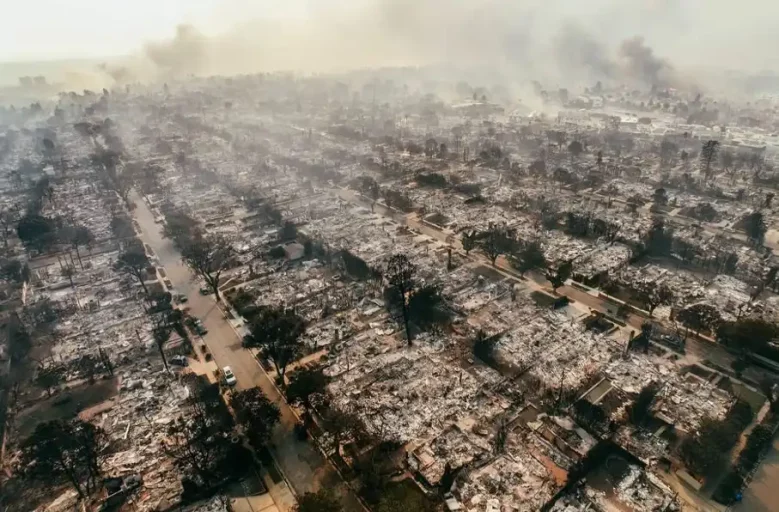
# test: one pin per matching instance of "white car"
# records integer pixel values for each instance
(230, 379)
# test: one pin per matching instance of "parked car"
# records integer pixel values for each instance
(199, 328)
(180, 298)
(230, 379)
(179, 361)
(205, 290)
(168, 283)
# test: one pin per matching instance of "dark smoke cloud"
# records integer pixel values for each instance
(641, 64)
(582, 57)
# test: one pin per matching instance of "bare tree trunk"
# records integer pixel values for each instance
(78, 255)
(143, 284)
(404, 310)
(162, 354)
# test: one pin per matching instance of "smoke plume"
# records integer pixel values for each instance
(184, 54)
(563, 43)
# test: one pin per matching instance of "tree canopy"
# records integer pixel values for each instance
(200, 442)
(747, 334)
(530, 256)
(653, 295)
(36, 231)
(256, 414)
(208, 257)
(64, 449)
(321, 501)
(755, 227)
(135, 263)
(496, 241)
(399, 273)
(560, 274)
(276, 331)
(304, 385)
(409, 303)
(700, 317)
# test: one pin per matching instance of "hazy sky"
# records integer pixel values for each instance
(54, 29)
(317, 34)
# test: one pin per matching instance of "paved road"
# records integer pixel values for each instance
(762, 495)
(303, 466)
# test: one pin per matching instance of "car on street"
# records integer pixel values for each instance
(195, 325)
(199, 328)
(229, 376)
(205, 290)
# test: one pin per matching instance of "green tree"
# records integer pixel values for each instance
(652, 295)
(399, 274)
(755, 227)
(668, 152)
(49, 377)
(256, 414)
(209, 257)
(11, 270)
(529, 257)
(8, 222)
(343, 425)
(575, 148)
(180, 227)
(700, 317)
(277, 331)
(122, 226)
(92, 366)
(426, 308)
(708, 155)
(496, 241)
(747, 334)
(135, 263)
(658, 240)
(320, 501)
(660, 197)
(558, 276)
(468, 241)
(36, 231)
(401, 498)
(64, 449)
(199, 442)
(305, 385)
(288, 231)
(19, 341)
